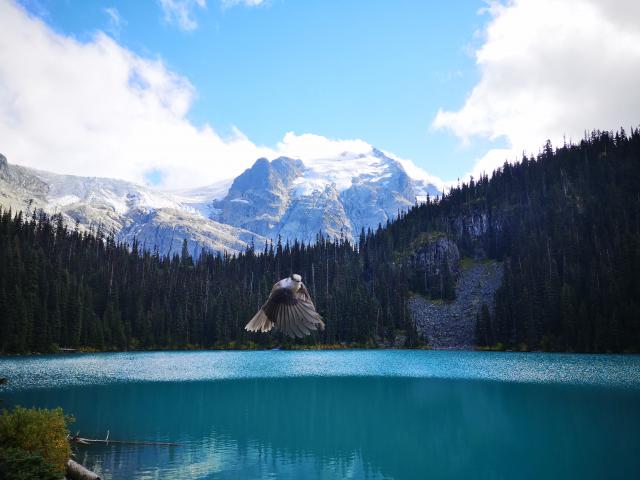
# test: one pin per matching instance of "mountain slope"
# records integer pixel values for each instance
(130, 211)
(289, 198)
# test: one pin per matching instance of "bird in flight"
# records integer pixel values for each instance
(289, 308)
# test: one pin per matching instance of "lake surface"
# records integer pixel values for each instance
(344, 414)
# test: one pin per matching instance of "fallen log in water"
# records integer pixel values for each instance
(75, 471)
(106, 441)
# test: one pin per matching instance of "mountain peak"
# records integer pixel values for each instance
(335, 195)
(266, 175)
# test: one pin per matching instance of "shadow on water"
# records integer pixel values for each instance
(355, 427)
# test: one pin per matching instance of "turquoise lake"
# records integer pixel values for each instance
(344, 414)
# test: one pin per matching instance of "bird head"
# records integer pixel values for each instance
(295, 277)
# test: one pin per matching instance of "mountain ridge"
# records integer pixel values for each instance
(282, 198)
(130, 211)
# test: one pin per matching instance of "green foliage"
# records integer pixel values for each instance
(420, 240)
(566, 224)
(466, 263)
(572, 262)
(498, 347)
(18, 464)
(87, 292)
(38, 431)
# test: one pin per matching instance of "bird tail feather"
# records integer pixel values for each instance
(259, 323)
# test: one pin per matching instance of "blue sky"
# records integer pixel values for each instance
(184, 93)
(376, 70)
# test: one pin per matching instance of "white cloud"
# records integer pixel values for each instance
(116, 22)
(246, 3)
(311, 147)
(181, 12)
(98, 109)
(114, 16)
(551, 69)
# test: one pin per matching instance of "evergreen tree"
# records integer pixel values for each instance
(566, 225)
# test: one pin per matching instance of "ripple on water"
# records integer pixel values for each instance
(45, 371)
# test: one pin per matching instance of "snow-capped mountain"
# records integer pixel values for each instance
(200, 198)
(295, 198)
(284, 197)
(155, 219)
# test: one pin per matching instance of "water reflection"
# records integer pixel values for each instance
(355, 427)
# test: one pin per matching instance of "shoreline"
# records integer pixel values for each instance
(240, 348)
(331, 347)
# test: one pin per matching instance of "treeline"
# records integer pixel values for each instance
(62, 287)
(566, 224)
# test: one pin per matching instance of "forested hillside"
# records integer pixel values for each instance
(566, 225)
(65, 288)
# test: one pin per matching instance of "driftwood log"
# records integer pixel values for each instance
(93, 441)
(75, 471)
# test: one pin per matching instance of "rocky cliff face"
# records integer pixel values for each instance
(434, 263)
(319, 211)
(259, 197)
(478, 231)
(436, 255)
(167, 228)
(20, 187)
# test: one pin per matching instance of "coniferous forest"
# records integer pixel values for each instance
(59, 287)
(566, 225)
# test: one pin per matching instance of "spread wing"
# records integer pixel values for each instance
(303, 294)
(292, 313)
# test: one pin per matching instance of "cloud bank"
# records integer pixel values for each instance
(551, 69)
(98, 109)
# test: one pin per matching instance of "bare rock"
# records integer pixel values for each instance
(453, 324)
